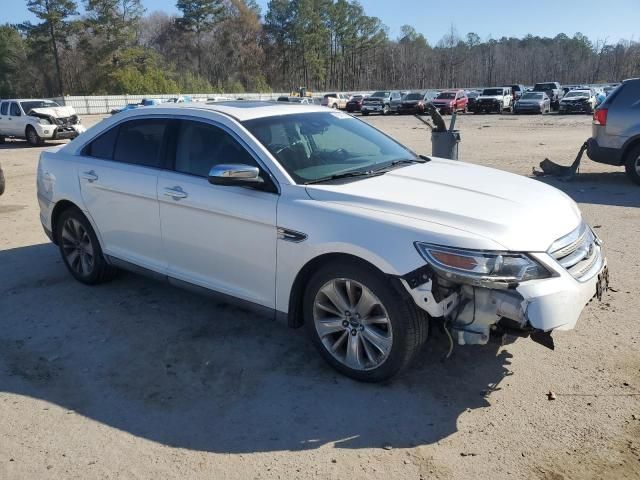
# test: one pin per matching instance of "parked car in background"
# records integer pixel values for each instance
(532, 102)
(615, 137)
(391, 242)
(335, 100)
(38, 120)
(451, 101)
(355, 103)
(495, 99)
(578, 101)
(416, 102)
(517, 90)
(380, 102)
(472, 97)
(553, 90)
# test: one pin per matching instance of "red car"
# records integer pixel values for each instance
(451, 101)
(355, 104)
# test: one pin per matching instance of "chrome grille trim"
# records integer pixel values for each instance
(578, 253)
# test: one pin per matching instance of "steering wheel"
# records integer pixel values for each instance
(278, 148)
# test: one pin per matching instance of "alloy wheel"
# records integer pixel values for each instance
(77, 247)
(352, 324)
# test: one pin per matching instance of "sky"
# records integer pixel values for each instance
(599, 20)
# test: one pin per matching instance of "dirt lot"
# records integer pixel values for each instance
(136, 379)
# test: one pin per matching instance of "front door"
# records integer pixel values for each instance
(14, 120)
(219, 237)
(118, 177)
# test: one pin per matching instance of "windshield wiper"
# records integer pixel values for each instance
(337, 176)
(404, 161)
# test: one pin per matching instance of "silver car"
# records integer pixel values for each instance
(615, 138)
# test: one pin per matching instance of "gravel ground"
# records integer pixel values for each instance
(136, 379)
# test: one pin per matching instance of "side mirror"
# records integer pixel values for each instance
(235, 174)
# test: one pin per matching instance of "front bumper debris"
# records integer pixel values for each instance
(533, 308)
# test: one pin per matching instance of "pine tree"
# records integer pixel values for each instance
(54, 13)
(199, 17)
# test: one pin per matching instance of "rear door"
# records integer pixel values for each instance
(218, 237)
(15, 121)
(4, 113)
(118, 178)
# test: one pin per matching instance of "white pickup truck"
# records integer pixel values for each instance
(38, 120)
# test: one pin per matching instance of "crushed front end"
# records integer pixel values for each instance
(477, 294)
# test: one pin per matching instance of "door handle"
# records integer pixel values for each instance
(90, 176)
(176, 193)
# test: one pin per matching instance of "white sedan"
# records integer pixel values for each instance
(322, 220)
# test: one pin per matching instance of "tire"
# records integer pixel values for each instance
(2, 181)
(32, 137)
(400, 331)
(386, 110)
(334, 106)
(364, 114)
(632, 164)
(74, 234)
(2, 139)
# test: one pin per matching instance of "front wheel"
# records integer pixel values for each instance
(360, 323)
(81, 250)
(632, 164)
(33, 138)
(386, 110)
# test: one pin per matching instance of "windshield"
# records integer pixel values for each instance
(316, 145)
(540, 87)
(447, 95)
(331, 95)
(381, 94)
(414, 96)
(492, 91)
(576, 94)
(532, 96)
(28, 106)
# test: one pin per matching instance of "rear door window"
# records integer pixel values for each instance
(140, 141)
(4, 108)
(14, 110)
(626, 96)
(103, 146)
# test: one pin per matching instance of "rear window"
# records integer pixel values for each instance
(4, 108)
(331, 95)
(544, 86)
(624, 95)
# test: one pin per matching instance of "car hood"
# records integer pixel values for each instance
(442, 100)
(570, 99)
(490, 97)
(517, 212)
(531, 100)
(56, 112)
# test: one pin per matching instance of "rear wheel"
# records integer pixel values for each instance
(386, 110)
(81, 250)
(360, 323)
(632, 164)
(365, 113)
(33, 138)
(2, 138)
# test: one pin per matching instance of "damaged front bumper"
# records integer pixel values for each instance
(59, 132)
(530, 308)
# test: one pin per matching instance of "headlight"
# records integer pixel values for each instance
(44, 121)
(481, 268)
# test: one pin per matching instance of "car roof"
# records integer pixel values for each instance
(240, 110)
(27, 100)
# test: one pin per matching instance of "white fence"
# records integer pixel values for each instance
(99, 105)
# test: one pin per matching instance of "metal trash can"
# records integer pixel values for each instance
(445, 144)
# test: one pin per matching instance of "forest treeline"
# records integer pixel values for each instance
(85, 47)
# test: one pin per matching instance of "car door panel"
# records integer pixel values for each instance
(121, 196)
(122, 200)
(219, 237)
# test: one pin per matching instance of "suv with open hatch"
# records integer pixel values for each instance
(318, 218)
